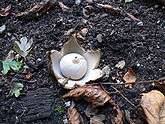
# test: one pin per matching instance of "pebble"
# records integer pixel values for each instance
(140, 23)
(39, 60)
(2, 28)
(106, 71)
(99, 38)
(67, 104)
(120, 64)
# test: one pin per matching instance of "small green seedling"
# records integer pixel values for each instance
(15, 89)
(11, 64)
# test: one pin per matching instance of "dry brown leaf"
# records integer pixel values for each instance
(93, 94)
(73, 116)
(129, 77)
(118, 118)
(152, 103)
(41, 7)
(97, 119)
(5, 11)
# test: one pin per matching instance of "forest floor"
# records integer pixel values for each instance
(139, 42)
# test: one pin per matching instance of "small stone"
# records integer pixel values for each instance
(77, 2)
(2, 28)
(99, 38)
(140, 23)
(67, 104)
(39, 60)
(120, 64)
(138, 64)
(106, 71)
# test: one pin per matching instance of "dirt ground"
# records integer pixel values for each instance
(141, 45)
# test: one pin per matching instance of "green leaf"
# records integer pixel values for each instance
(6, 67)
(128, 1)
(15, 90)
(15, 65)
(59, 109)
(23, 46)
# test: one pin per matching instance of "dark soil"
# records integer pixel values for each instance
(141, 46)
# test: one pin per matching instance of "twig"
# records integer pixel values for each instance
(124, 97)
(119, 11)
(159, 81)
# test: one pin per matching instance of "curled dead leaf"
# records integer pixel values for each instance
(73, 116)
(118, 117)
(152, 104)
(129, 77)
(93, 94)
(5, 11)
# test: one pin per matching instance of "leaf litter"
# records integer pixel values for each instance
(153, 104)
(129, 78)
(97, 97)
(74, 116)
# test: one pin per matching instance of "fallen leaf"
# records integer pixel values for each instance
(15, 90)
(39, 8)
(152, 104)
(23, 46)
(8, 65)
(120, 64)
(117, 118)
(5, 11)
(129, 77)
(73, 116)
(97, 119)
(93, 94)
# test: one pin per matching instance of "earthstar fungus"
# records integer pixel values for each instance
(73, 65)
